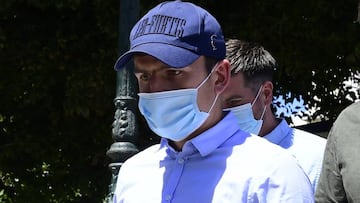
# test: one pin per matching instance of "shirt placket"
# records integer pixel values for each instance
(174, 179)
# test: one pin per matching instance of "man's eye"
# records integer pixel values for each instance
(144, 77)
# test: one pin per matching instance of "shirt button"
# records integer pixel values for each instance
(168, 197)
(181, 161)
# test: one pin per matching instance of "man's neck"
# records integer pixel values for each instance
(269, 124)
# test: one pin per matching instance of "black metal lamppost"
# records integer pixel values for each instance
(125, 129)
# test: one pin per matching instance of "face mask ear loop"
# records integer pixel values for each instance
(263, 113)
(217, 95)
(207, 77)
(257, 96)
(213, 104)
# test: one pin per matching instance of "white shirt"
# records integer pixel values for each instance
(223, 164)
(307, 148)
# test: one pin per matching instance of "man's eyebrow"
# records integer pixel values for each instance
(136, 70)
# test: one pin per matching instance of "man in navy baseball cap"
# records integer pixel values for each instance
(176, 33)
(178, 51)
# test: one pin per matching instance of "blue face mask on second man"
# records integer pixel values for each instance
(245, 116)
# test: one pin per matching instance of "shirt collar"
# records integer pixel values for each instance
(207, 141)
(279, 133)
(211, 139)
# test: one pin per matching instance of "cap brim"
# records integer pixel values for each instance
(171, 55)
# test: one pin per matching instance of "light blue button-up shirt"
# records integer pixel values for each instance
(223, 164)
(307, 148)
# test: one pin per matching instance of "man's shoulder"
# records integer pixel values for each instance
(267, 159)
(260, 148)
(353, 108)
(350, 115)
(308, 137)
(147, 155)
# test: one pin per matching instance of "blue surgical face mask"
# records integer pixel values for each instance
(245, 116)
(173, 114)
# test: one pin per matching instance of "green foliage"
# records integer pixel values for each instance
(56, 87)
(316, 44)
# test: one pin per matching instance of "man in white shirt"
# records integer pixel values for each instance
(249, 96)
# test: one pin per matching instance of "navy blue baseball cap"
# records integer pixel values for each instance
(177, 33)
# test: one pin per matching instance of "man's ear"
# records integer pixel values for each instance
(267, 92)
(222, 76)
